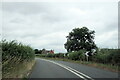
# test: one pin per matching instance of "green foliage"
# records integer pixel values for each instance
(107, 56)
(56, 55)
(114, 57)
(14, 53)
(79, 39)
(59, 55)
(49, 55)
(38, 51)
(77, 55)
(13, 49)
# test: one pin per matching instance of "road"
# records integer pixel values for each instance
(61, 69)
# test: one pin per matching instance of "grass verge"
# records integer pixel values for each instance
(92, 64)
(20, 71)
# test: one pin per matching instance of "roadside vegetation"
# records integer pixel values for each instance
(107, 59)
(81, 47)
(17, 59)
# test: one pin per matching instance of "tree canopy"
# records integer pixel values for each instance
(80, 38)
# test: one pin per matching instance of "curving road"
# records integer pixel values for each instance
(61, 69)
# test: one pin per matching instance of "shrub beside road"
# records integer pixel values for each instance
(17, 59)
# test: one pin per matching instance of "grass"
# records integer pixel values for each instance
(92, 64)
(20, 71)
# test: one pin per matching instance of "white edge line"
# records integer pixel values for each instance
(79, 72)
(70, 70)
(66, 68)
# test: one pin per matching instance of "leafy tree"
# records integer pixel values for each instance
(79, 39)
(38, 51)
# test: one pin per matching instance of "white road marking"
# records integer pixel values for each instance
(71, 70)
(79, 72)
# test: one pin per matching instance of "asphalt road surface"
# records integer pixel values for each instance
(60, 69)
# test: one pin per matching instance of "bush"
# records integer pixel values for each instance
(61, 55)
(56, 55)
(78, 55)
(114, 57)
(49, 55)
(107, 56)
(14, 53)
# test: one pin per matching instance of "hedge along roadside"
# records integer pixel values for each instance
(104, 56)
(14, 54)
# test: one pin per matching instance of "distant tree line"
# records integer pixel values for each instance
(43, 51)
(57, 55)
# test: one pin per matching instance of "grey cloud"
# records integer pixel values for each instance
(24, 7)
(46, 25)
(16, 20)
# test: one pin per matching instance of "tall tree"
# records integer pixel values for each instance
(80, 38)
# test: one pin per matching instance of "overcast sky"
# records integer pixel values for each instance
(46, 24)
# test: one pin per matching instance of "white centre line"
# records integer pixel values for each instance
(79, 74)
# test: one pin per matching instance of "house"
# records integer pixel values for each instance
(50, 51)
(44, 51)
